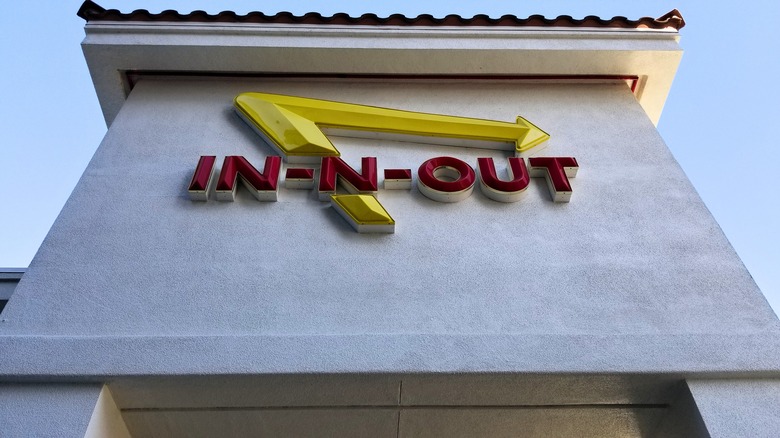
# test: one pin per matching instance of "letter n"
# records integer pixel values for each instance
(263, 185)
(334, 170)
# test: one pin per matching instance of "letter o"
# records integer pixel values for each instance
(446, 179)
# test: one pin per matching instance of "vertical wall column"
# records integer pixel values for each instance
(106, 420)
(738, 407)
(724, 408)
(52, 410)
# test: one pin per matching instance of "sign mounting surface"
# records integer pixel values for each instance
(293, 126)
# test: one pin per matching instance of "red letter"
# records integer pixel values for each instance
(503, 191)
(201, 179)
(446, 179)
(262, 185)
(334, 168)
(557, 171)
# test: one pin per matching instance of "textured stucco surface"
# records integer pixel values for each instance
(632, 275)
(738, 408)
(635, 252)
(46, 410)
(7, 289)
(608, 301)
(683, 419)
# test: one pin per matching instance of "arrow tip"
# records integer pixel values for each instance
(534, 137)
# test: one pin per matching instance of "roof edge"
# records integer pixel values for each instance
(91, 11)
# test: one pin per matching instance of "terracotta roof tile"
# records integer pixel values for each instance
(91, 11)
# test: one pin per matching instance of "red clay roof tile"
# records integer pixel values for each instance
(91, 11)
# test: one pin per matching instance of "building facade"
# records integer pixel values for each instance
(206, 278)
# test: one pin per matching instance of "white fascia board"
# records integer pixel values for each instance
(112, 48)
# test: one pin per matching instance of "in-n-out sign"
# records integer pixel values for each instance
(293, 126)
(443, 179)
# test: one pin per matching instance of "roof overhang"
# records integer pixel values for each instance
(117, 50)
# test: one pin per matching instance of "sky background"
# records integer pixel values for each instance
(720, 120)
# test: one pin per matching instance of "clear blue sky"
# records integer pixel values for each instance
(720, 119)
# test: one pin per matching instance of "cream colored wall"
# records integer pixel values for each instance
(106, 419)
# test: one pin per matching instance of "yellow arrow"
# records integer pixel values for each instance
(295, 125)
(364, 213)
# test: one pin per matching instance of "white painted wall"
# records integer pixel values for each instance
(46, 410)
(632, 278)
(635, 252)
(278, 315)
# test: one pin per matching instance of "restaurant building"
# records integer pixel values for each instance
(384, 227)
